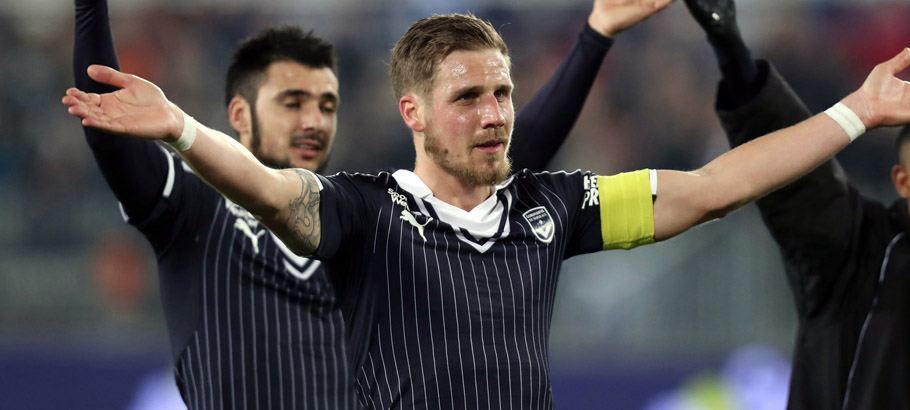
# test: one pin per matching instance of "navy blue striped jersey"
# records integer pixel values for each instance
(450, 309)
(252, 325)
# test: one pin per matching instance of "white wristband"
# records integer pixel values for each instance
(187, 137)
(847, 119)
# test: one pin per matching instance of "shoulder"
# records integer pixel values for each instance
(356, 185)
(551, 179)
(360, 178)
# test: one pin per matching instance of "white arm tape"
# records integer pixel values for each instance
(847, 119)
(187, 137)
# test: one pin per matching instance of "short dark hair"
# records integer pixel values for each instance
(256, 53)
(429, 41)
(903, 138)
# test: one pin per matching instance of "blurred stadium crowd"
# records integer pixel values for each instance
(76, 282)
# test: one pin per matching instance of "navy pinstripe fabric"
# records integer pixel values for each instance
(260, 328)
(459, 304)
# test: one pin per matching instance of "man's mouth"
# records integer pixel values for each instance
(306, 147)
(492, 146)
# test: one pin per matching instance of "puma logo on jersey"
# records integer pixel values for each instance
(244, 227)
(407, 216)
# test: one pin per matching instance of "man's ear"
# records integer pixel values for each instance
(900, 176)
(409, 107)
(241, 118)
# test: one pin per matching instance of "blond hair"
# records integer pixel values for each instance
(429, 41)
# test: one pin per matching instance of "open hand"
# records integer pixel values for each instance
(139, 109)
(611, 17)
(884, 99)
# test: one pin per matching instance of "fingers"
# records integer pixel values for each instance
(75, 96)
(107, 75)
(662, 4)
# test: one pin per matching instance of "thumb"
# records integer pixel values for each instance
(899, 62)
(107, 75)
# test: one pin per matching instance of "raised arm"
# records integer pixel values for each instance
(286, 201)
(135, 170)
(545, 122)
(758, 167)
(815, 217)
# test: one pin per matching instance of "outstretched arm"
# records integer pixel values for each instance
(814, 218)
(544, 123)
(756, 168)
(286, 201)
(135, 170)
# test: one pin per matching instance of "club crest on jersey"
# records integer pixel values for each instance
(541, 223)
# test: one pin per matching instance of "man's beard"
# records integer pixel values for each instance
(466, 172)
(271, 161)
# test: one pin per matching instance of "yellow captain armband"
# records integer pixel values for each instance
(626, 210)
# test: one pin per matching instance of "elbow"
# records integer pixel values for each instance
(720, 206)
(714, 205)
(720, 196)
(717, 212)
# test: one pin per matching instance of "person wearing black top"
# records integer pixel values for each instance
(846, 256)
(250, 322)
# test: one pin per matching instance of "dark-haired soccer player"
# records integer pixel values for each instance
(847, 257)
(250, 322)
(447, 273)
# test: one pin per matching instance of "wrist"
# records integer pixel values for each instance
(859, 105)
(605, 29)
(187, 134)
(848, 120)
(175, 130)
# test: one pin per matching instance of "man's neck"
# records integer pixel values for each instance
(451, 190)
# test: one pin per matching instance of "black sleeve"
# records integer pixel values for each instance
(544, 123)
(814, 218)
(342, 212)
(136, 170)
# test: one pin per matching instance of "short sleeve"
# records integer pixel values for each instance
(626, 209)
(183, 206)
(605, 212)
(343, 213)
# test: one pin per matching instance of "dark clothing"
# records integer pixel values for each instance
(847, 259)
(451, 309)
(249, 322)
(558, 103)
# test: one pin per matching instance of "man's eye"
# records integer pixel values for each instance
(292, 105)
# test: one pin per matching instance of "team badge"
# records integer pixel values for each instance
(541, 223)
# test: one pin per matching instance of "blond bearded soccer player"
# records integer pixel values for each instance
(453, 265)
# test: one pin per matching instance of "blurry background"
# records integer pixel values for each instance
(704, 318)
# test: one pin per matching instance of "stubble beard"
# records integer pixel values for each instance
(270, 160)
(466, 172)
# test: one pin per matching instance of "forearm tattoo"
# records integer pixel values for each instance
(304, 226)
